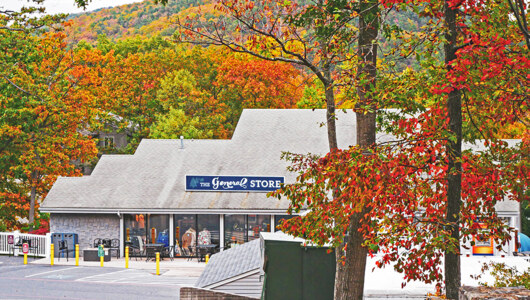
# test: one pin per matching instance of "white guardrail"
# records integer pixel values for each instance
(40, 244)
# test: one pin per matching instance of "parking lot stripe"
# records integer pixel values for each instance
(33, 275)
(100, 275)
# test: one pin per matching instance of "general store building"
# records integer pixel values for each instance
(139, 197)
(173, 188)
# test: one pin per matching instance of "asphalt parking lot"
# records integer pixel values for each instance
(39, 281)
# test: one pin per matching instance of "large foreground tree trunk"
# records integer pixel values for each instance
(349, 281)
(454, 152)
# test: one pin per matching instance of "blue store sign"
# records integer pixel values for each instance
(233, 183)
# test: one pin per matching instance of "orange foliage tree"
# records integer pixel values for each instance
(44, 109)
(254, 83)
(142, 84)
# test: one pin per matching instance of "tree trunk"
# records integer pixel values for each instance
(349, 283)
(32, 197)
(330, 112)
(454, 152)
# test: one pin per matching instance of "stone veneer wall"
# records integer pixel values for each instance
(87, 226)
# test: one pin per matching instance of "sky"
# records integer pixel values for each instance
(63, 6)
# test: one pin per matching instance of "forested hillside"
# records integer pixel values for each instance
(142, 19)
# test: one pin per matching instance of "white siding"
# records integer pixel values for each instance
(248, 286)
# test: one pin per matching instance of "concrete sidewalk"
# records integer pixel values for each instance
(180, 267)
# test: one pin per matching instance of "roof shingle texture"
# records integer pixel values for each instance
(230, 263)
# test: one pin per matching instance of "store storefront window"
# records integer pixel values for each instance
(135, 233)
(279, 218)
(185, 234)
(158, 229)
(208, 226)
(257, 224)
(235, 229)
(192, 230)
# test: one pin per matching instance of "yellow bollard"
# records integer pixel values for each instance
(25, 258)
(77, 254)
(51, 253)
(127, 257)
(207, 258)
(102, 257)
(158, 263)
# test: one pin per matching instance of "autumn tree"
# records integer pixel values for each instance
(318, 37)
(501, 60)
(43, 112)
(247, 82)
(479, 88)
(130, 87)
(518, 8)
(424, 193)
(214, 86)
(474, 56)
(176, 124)
(181, 95)
(277, 32)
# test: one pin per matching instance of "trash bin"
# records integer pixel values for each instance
(71, 239)
(56, 237)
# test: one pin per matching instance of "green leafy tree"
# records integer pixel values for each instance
(505, 276)
(177, 124)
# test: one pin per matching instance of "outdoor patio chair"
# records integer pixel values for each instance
(16, 245)
(168, 252)
(63, 248)
(150, 253)
(191, 252)
(184, 251)
(201, 254)
(137, 247)
(97, 242)
(33, 247)
(115, 246)
(107, 243)
(135, 251)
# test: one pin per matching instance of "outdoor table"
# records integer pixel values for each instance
(151, 249)
(169, 251)
(210, 248)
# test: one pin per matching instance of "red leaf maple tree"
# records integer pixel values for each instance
(405, 183)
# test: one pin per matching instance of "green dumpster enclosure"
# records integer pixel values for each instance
(293, 270)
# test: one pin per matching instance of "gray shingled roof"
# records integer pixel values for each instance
(153, 178)
(230, 263)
